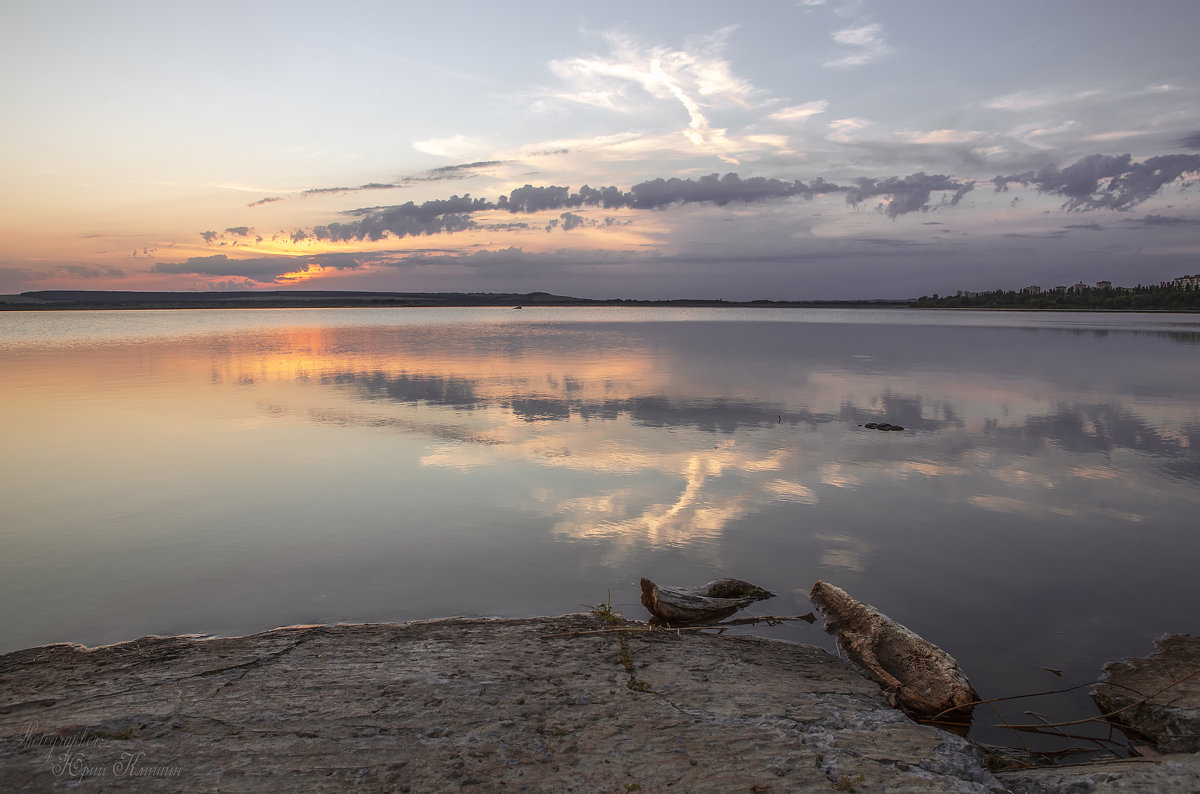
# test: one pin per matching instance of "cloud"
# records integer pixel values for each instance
(406, 220)
(263, 269)
(368, 186)
(67, 271)
(699, 69)
(1163, 220)
(908, 194)
(445, 170)
(946, 136)
(513, 226)
(572, 221)
(458, 147)
(454, 214)
(447, 173)
(441, 174)
(695, 77)
(1096, 181)
(1104, 182)
(240, 231)
(514, 260)
(804, 111)
(904, 194)
(1115, 135)
(209, 236)
(1190, 141)
(866, 44)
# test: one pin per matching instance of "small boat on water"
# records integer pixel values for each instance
(518, 307)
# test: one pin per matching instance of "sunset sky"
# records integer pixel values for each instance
(812, 149)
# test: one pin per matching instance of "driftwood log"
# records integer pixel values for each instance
(690, 606)
(916, 675)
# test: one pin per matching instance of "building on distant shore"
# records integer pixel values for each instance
(1103, 285)
(1032, 289)
(1187, 282)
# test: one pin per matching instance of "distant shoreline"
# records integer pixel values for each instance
(78, 300)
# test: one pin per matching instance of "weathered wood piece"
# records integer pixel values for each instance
(689, 606)
(915, 674)
(1157, 696)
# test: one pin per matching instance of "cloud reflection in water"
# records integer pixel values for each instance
(1038, 509)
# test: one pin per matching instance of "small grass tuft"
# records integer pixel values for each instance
(606, 613)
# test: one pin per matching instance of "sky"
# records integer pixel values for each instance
(801, 150)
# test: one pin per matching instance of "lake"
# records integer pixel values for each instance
(227, 472)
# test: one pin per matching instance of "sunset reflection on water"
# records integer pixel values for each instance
(1037, 509)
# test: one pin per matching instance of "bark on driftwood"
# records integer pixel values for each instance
(690, 606)
(915, 674)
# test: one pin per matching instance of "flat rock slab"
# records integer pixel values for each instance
(1170, 679)
(1163, 775)
(477, 704)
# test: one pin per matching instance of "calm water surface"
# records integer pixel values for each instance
(231, 471)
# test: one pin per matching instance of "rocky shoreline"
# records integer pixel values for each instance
(540, 704)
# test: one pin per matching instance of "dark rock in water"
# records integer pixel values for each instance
(895, 427)
(883, 426)
(1170, 717)
(871, 425)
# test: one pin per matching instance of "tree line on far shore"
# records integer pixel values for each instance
(1141, 298)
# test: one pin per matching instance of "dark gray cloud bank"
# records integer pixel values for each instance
(906, 194)
(882, 266)
(1104, 182)
(1095, 182)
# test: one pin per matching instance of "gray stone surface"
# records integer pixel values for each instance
(1157, 696)
(1163, 775)
(472, 704)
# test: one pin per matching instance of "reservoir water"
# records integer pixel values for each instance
(226, 472)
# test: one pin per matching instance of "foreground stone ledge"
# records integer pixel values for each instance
(1160, 775)
(1157, 697)
(488, 704)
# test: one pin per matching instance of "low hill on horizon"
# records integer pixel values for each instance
(116, 299)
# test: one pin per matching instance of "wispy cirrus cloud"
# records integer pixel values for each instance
(444, 173)
(633, 76)
(860, 45)
(799, 112)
